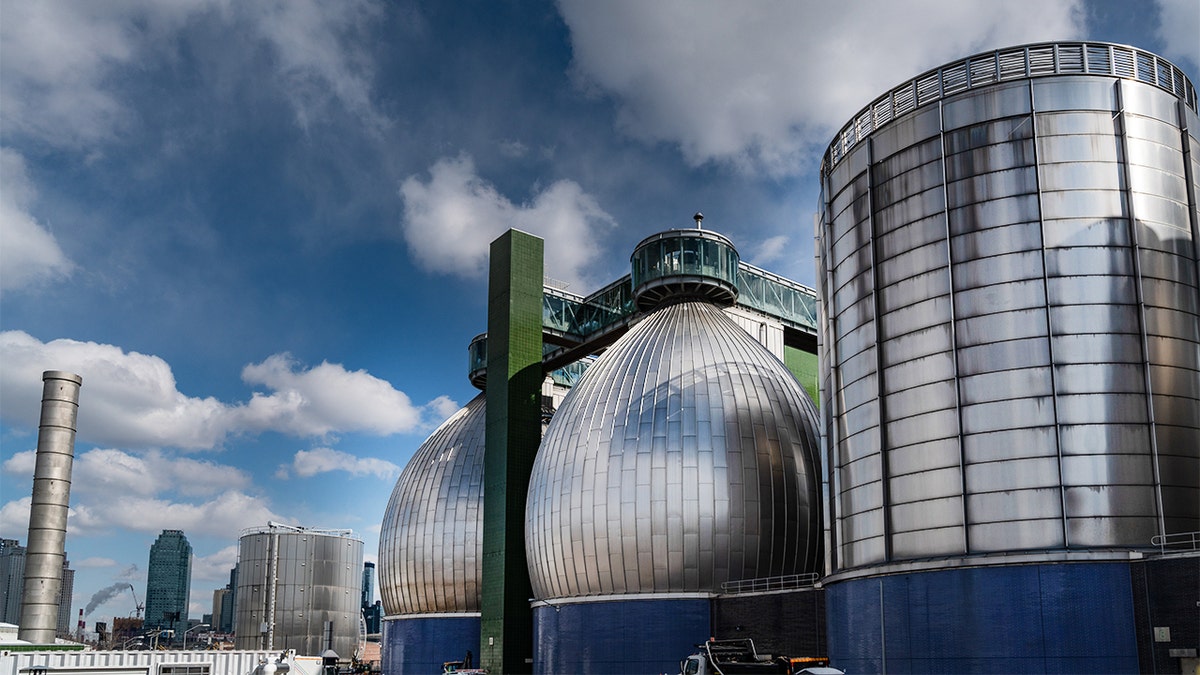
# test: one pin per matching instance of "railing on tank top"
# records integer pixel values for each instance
(781, 583)
(1187, 541)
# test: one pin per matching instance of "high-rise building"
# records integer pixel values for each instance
(12, 579)
(368, 583)
(169, 582)
(66, 591)
(12, 584)
(225, 621)
(372, 612)
(218, 602)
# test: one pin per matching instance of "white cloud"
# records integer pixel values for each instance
(14, 516)
(130, 400)
(308, 463)
(29, 253)
(116, 472)
(764, 85)
(1179, 28)
(318, 56)
(770, 250)
(60, 57)
(325, 399)
(112, 489)
(23, 462)
(450, 221)
(213, 569)
(94, 563)
(439, 410)
(226, 513)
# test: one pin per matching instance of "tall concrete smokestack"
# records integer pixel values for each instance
(48, 514)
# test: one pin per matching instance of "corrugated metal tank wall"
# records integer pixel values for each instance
(317, 579)
(1011, 341)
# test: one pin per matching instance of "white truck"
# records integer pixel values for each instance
(739, 657)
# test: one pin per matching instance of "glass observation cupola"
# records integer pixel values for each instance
(687, 264)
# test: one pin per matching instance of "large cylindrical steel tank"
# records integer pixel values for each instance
(1010, 332)
(295, 587)
(45, 552)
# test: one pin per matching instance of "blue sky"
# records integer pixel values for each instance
(259, 230)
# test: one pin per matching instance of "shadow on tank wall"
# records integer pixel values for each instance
(783, 622)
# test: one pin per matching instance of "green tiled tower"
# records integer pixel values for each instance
(514, 378)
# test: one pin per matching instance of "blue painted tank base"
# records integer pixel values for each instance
(422, 644)
(1044, 618)
(623, 636)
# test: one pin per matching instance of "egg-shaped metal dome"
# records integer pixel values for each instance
(684, 458)
(430, 546)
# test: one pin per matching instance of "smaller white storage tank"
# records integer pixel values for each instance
(298, 588)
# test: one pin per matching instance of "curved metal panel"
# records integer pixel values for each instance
(685, 457)
(430, 544)
(1063, 366)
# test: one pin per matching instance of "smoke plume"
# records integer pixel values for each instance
(104, 595)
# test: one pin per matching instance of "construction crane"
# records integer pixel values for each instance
(138, 607)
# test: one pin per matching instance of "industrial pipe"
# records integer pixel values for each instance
(44, 553)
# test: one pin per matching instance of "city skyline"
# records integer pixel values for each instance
(259, 232)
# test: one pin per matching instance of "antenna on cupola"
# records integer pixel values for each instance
(699, 218)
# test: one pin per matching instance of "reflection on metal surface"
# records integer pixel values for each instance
(1015, 63)
(430, 544)
(1011, 329)
(292, 583)
(685, 457)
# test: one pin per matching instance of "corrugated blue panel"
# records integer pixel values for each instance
(626, 636)
(1074, 617)
(855, 632)
(422, 645)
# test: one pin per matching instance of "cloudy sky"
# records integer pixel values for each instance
(258, 230)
